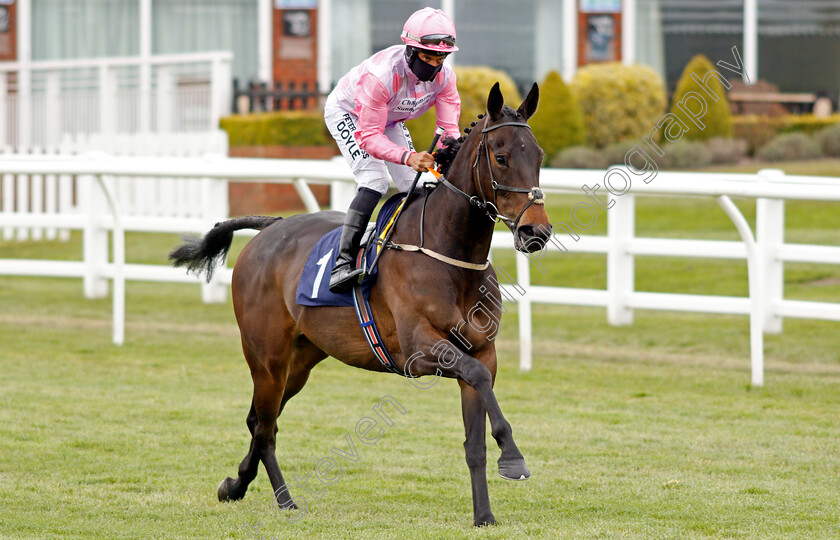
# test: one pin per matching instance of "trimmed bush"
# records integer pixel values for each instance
(618, 102)
(790, 147)
(756, 130)
(807, 123)
(829, 140)
(578, 157)
(717, 118)
(558, 123)
(614, 153)
(726, 151)
(474, 84)
(287, 128)
(685, 155)
(423, 129)
(759, 130)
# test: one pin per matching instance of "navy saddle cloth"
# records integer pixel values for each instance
(313, 288)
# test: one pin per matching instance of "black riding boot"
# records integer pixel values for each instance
(345, 274)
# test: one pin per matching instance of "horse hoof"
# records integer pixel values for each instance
(224, 491)
(485, 521)
(514, 469)
(288, 505)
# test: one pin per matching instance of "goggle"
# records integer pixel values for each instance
(432, 39)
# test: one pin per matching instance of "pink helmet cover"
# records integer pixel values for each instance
(429, 22)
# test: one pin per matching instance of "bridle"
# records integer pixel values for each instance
(491, 209)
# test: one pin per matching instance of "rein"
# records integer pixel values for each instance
(434, 254)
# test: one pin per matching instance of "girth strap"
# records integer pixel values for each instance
(371, 333)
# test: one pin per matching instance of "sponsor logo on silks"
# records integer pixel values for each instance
(346, 128)
(407, 135)
(410, 105)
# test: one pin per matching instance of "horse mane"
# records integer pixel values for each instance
(446, 155)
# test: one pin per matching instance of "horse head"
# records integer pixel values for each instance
(506, 170)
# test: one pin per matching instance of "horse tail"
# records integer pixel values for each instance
(201, 255)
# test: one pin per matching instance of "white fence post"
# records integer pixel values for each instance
(118, 300)
(8, 203)
(94, 239)
(341, 195)
(755, 273)
(165, 96)
(65, 187)
(144, 123)
(107, 100)
(51, 198)
(22, 191)
(52, 106)
(5, 102)
(306, 195)
(36, 198)
(523, 278)
(24, 110)
(770, 236)
(221, 90)
(215, 209)
(621, 225)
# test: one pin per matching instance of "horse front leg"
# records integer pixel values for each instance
(511, 462)
(475, 448)
(434, 354)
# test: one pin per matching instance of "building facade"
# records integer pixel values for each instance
(793, 44)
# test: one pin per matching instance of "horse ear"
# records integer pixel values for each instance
(495, 102)
(529, 106)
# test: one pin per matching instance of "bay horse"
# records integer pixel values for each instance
(418, 302)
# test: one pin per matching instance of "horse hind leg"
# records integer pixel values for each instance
(233, 490)
(268, 370)
(304, 356)
(270, 396)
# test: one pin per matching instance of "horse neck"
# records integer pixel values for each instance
(453, 226)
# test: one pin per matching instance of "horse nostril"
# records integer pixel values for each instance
(526, 231)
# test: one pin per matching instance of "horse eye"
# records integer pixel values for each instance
(501, 160)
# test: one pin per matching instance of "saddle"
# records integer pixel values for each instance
(313, 287)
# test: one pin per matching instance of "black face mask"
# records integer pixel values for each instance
(424, 72)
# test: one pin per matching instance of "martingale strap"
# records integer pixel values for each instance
(372, 336)
(440, 257)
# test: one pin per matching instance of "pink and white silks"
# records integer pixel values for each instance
(366, 111)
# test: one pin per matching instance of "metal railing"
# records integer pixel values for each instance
(283, 97)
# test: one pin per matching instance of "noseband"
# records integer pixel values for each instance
(491, 209)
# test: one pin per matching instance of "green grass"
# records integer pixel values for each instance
(643, 431)
(817, 167)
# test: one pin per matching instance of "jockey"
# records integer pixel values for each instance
(366, 114)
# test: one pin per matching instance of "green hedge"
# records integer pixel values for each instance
(287, 128)
(558, 122)
(618, 102)
(790, 147)
(716, 119)
(760, 130)
(474, 84)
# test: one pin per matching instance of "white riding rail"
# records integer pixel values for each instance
(765, 305)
